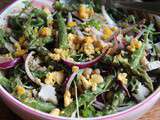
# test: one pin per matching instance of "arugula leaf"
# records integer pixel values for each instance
(3, 37)
(62, 34)
(131, 19)
(128, 38)
(39, 13)
(37, 22)
(133, 85)
(117, 100)
(139, 72)
(88, 96)
(97, 5)
(71, 5)
(39, 42)
(16, 23)
(89, 111)
(91, 23)
(6, 83)
(66, 5)
(138, 54)
(39, 74)
(39, 105)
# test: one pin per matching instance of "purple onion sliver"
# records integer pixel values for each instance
(124, 88)
(140, 34)
(101, 98)
(10, 64)
(71, 78)
(80, 34)
(99, 103)
(70, 17)
(82, 65)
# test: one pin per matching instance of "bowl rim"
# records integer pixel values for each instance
(35, 112)
(46, 115)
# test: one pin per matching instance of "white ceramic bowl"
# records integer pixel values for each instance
(28, 113)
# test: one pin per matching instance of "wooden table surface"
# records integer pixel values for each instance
(6, 114)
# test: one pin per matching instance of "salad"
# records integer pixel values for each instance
(79, 59)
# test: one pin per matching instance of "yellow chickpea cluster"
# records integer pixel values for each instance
(20, 90)
(122, 78)
(55, 112)
(19, 51)
(45, 31)
(71, 24)
(108, 32)
(54, 77)
(85, 12)
(59, 54)
(89, 44)
(135, 44)
(67, 98)
(90, 79)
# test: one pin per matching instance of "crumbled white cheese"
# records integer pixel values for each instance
(143, 92)
(48, 93)
(153, 65)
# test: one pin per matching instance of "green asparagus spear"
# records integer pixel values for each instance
(137, 55)
(144, 75)
(87, 97)
(139, 72)
(62, 33)
(5, 83)
(117, 100)
(39, 105)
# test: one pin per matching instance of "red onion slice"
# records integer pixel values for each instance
(35, 80)
(140, 34)
(115, 47)
(82, 65)
(107, 17)
(124, 87)
(70, 79)
(70, 19)
(98, 105)
(126, 90)
(9, 63)
(79, 33)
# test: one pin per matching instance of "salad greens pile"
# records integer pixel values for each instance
(78, 59)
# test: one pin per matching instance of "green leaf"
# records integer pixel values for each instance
(39, 13)
(39, 105)
(3, 37)
(62, 33)
(38, 22)
(71, 5)
(39, 42)
(138, 54)
(6, 83)
(128, 38)
(88, 111)
(88, 96)
(39, 74)
(91, 23)
(16, 23)
(117, 100)
(139, 72)
(133, 85)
